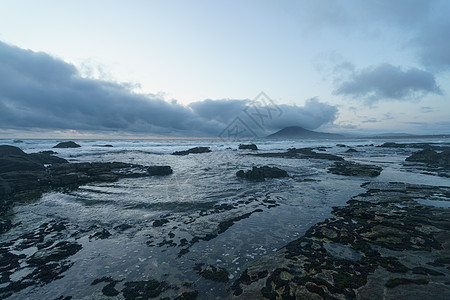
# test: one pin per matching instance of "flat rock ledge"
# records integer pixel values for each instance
(385, 244)
(348, 168)
(194, 150)
(261, 173)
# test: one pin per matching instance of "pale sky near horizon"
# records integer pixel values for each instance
(356, 66)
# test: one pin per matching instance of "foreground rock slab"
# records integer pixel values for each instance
(386, 244)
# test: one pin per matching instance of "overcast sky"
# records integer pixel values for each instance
(192, 68)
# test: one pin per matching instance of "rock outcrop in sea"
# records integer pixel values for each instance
(194, 150)
(248, 146)
(69, 144)
(261, 173)
(354, 169)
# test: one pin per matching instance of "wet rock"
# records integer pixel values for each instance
(212, 273)
(44, 158)
(361, 251)
(260, 173)
(391, 283)
(69, 144)
(431, 157)
(5, 225)
(159, 170)
(355, 169)
(194, 150)
(160, 222)
(188, 295)
(57, 252)
(109, 289)
(351, 150)
(101, 234)
(433, 146)
(143, 289)
(248, 146)
(49, 152)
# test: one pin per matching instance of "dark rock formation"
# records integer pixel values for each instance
(260, 173)
(212, 273)
(304, 153)
(29, 175)
(69, 144)
(431, 157)
(433, 146)
(144, 289)
(248, 146)
(371, 249)
(194, 150)
(354, 169)
(351, 150)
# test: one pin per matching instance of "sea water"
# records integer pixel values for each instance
(188, 198)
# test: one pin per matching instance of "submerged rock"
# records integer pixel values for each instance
(260, 173)
(194, 150)
(69, 144)
(355, 169)
(248, 147)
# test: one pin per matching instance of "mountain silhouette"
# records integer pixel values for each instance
(297, 132)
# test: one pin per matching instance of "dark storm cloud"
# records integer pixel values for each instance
(38, 91)
(386, 81)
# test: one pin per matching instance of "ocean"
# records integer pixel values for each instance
(206, 214)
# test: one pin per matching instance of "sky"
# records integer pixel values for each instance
(205, 68)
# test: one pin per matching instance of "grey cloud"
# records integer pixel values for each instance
(386, 81)
(433, 44)
(40, 92)
(312, 115)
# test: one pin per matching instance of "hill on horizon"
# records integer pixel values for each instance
(297, 132)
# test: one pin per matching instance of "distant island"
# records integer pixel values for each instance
(297, 132)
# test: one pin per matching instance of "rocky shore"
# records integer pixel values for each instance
(26, 176)
(390, 242)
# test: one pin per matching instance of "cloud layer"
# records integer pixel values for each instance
(38, 91)
(386, 81)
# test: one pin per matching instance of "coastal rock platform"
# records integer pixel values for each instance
(391, 241)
